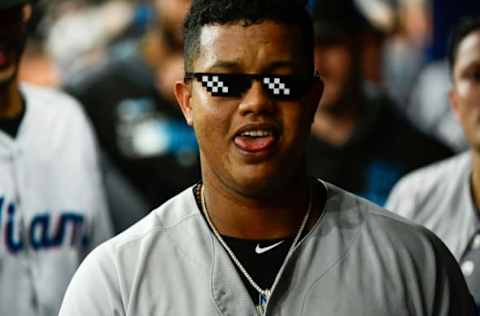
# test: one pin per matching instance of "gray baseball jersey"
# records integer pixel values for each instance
(52, 209)
(358, 259)
(439, 197)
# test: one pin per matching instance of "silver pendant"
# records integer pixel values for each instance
(263, 301)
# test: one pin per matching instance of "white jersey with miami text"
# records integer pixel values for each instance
(52, 207)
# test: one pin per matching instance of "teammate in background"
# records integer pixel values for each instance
(259, 236)
(360, 142)
(130, 101)
(445, 197)
(52, 211)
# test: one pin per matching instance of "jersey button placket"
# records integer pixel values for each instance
(467, 268)
(20, 189)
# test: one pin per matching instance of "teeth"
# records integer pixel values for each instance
(257, 133)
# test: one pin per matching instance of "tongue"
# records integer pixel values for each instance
(254, 144)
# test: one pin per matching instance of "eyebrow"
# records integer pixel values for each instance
(226, 65)
(236, 67)
(467, 67)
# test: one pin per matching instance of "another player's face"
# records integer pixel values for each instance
(252, 143)
(12, 40)
(465, 94)
(171, 15)
(334, 64)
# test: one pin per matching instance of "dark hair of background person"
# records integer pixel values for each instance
(464, 28)
(339, 23)
(221, 12)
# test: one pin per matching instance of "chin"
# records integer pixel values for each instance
(262, 183)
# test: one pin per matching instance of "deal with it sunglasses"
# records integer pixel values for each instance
(234, 85)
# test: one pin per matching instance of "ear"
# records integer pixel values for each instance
(453, 98)
(27, 11)
(183, 93)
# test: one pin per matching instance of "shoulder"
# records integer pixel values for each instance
(433, 174)
(51, 102)
(170, 236)
(380, 227)
(432, 181)
(406, 257)
(65, 128)
(388, 240)
(368, 215)
(166, 220)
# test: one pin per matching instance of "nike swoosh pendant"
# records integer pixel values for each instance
(259, 250)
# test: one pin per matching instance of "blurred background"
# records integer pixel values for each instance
(120, 59)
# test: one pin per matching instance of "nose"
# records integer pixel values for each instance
(256, 101)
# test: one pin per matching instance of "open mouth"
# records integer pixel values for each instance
(255, 139)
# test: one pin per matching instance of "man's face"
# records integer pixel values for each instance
(334, 64)
(171, 14)
(252, 143)
(465, 93)
(13, 26)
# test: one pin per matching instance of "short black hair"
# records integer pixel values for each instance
(466, 26)
(337, 22)
(247, 12)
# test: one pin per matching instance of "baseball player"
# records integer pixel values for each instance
(445, 196)
(52, 210)
(258, 236)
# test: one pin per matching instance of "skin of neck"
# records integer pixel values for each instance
(10, 100)
(237, 215)
(333, 129)
(336, 126)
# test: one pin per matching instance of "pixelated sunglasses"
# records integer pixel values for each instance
(234, 85)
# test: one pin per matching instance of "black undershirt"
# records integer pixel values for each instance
(11, 125)
(263, 267)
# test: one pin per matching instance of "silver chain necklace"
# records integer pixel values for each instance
(264, 294)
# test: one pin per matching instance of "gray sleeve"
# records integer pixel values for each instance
(94, 289)
(420, 266)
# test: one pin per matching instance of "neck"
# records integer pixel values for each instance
(476, 178)
(334, 126)
(244, 217)
(10, 100)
